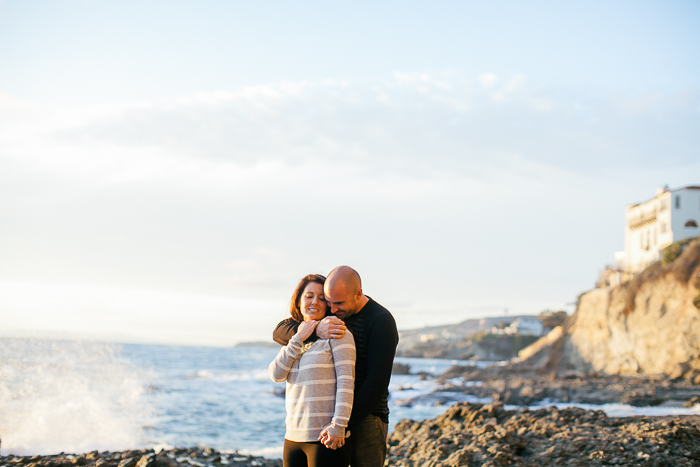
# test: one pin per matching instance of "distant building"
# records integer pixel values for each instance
(521, 326)
(653, 225)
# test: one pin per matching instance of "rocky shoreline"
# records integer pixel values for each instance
(514, 386)
(487, 435)
(178, 457)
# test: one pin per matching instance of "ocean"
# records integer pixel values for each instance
(77, 396)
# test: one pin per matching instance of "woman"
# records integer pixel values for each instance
(320, 376)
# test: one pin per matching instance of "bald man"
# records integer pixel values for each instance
(376, 338)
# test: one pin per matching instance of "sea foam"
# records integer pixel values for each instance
(68, 396)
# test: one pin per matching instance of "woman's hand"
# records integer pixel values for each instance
(306, 328)
(330, 441)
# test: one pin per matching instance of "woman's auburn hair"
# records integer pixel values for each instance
(294, 307)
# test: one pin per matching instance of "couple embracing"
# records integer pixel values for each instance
(337, 381)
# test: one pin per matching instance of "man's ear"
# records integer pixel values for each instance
(358, 295)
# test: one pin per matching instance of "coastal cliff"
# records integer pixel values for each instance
(637, 344)
(647, 326)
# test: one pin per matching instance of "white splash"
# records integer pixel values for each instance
(269, 453)
(623, 410)
(68, 396)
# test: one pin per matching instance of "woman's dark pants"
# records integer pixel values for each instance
(315, 454)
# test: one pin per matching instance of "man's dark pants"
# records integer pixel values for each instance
(369, 442)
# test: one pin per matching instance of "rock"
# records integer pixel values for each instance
(678, 370)
(475, 434)
(146, 457)
(128, 462)
(400, 369)
(692, 402)
(147, 461)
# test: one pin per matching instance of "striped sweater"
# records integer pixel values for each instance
(320, 386)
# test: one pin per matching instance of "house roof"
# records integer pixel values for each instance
(689, 187)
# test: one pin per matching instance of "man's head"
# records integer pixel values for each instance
(343, 291)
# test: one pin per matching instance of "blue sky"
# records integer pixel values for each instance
(465, 157)
(82, 50)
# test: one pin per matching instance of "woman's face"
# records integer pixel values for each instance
(313, 303)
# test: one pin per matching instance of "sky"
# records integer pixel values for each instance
(170, 170)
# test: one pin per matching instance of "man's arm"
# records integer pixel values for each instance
(285, 330)
(381, 348)
(330, 327)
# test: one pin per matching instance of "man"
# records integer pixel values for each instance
(376, 338)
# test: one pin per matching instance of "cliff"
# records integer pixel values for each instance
(650, 325)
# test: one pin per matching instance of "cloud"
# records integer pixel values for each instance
(488, 79)
(414, 124)
(263, 268)
(448, 195)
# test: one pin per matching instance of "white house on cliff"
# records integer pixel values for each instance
(653, 225)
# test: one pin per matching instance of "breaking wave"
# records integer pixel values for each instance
(68, 396)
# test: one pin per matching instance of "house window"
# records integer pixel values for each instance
(663, 227)
(691, 223)
(678, 201)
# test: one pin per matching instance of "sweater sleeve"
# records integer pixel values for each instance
(381, 348)
(282, 364)
(344, 363)
(285, 330)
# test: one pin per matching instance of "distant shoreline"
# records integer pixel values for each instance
(257, 344)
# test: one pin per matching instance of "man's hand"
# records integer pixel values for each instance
(306, 328)
(330, 441)
(331, 327)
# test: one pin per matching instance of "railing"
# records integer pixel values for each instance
(642, 219)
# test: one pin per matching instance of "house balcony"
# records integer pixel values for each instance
(641, 220)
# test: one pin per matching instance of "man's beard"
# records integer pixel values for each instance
(342, 314)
